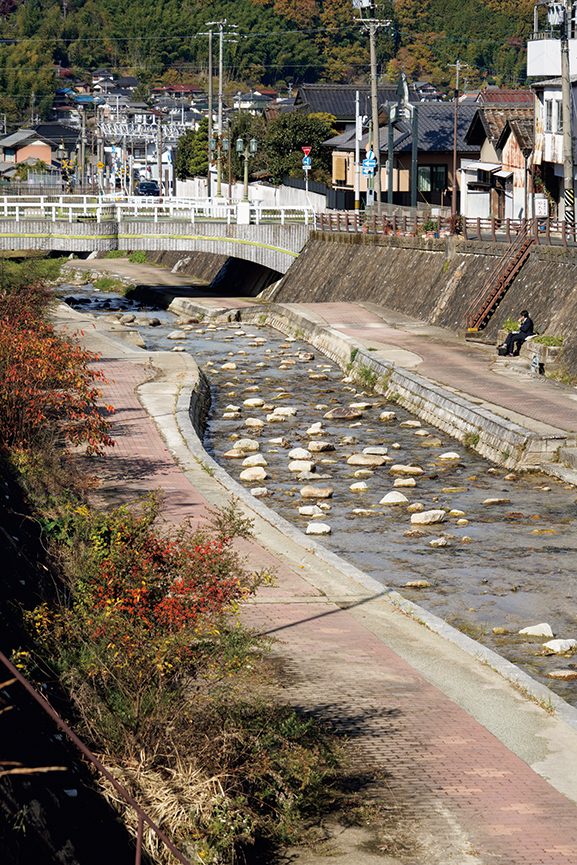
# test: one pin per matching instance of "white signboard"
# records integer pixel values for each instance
(541, 207)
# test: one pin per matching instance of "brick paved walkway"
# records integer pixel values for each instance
(440, 764)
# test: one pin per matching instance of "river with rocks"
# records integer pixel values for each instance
(490, 551)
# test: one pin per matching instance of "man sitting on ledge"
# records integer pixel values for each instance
(516, 339)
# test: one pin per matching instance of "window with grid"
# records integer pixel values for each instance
(431, 178)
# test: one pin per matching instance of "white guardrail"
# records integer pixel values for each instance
(86, 208)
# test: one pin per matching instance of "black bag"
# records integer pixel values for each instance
(502, 351)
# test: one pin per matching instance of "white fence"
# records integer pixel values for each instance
(87, 208)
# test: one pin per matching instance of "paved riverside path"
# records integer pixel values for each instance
(455, 744)
(465, 367)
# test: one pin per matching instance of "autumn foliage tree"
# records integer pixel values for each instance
(48, 387)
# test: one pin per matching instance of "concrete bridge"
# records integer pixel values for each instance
(271, 238)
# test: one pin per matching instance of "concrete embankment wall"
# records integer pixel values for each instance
(435, 280)
(224, 275)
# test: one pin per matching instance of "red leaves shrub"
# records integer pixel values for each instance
(133, 579)
(46, 385)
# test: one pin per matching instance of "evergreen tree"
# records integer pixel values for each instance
(192, 152)
(285, 139)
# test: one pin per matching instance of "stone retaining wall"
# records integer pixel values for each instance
(199, 405)
(435, 280)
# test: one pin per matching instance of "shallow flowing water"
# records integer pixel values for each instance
(511, 565)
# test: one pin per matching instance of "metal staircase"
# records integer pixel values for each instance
(495, 287)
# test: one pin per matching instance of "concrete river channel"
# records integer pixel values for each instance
(504, 565)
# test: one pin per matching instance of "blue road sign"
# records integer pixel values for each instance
(368, 172)
(307, 162)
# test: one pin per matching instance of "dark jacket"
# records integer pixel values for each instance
(526, 329)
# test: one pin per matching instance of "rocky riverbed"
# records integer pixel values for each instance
(489, 551)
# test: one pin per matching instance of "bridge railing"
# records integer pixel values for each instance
(92, 209)
(546, 232)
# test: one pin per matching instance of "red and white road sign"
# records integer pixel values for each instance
(306, 150)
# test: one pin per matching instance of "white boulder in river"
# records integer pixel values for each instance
(298, 454)
(301, 466)
(316, 429)
(310, 511)
(318, 529)
(286, 410)
(542, 630)
(246, 445)
(359, 487)
(394, 498)
(320, 447)
(366, 460)
(256, 473)
(316, 492)
(254, 460)
(406, 470)
(560, 646)
(428, 518)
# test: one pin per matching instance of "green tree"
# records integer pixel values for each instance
(192, 152)
(285, 139)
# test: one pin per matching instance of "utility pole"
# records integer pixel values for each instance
(210, 100)
(220, 71)
(209, 84)
(457, 66)
(83, 149)
(371, 25)
(220, 24)
(568, 170)
(358, 136)
(159, 155)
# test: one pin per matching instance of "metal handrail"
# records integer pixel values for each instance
(142, 815)
(481, 302)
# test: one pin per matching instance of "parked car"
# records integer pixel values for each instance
(148, 188)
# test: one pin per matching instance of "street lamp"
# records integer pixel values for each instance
(245, 152)
(218, 144)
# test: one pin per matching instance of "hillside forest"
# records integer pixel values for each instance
(267, 42)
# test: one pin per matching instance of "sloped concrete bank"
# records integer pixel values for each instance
(227, 276)
(496, 438)
(435, 280)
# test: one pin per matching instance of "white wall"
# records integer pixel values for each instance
(272, 196)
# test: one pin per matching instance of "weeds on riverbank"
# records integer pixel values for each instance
(138, 627)
(165, 681)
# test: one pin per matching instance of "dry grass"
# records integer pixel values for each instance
(178, 800)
